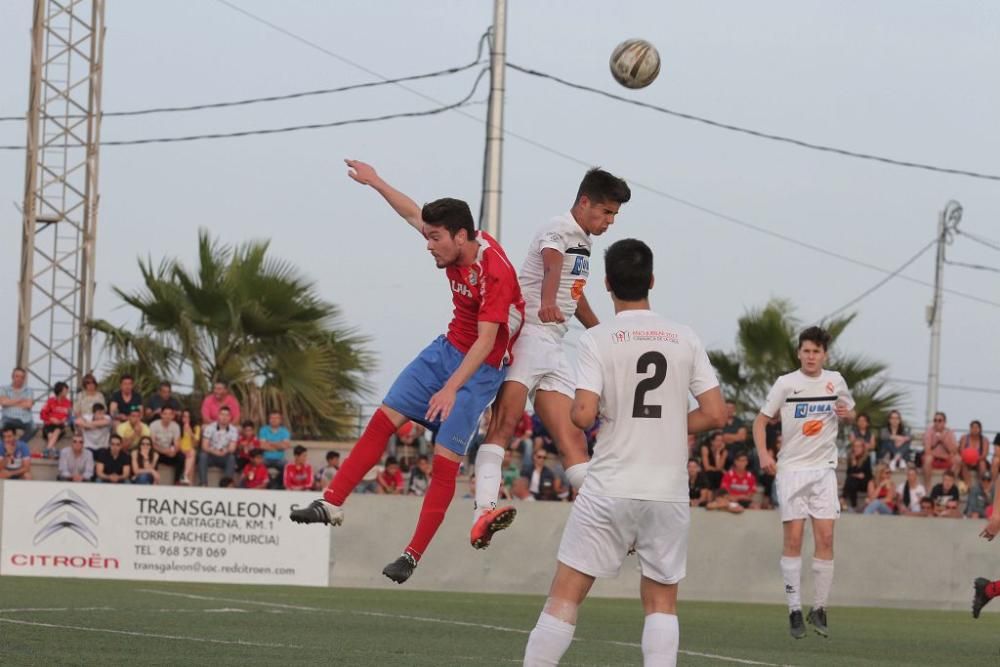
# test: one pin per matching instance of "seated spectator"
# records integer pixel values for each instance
(218, 399)
(325, 474)
(132, 429)
(390, 480)
(420, 477)
(859, 473)
(408, 443)
(55, 416)
(945, 497)
(519, 489)
(16, 456)
(275, 438)
(16, 401)
(980, 498)
(926, 508)
(76, 464)
(218, 447)
(144, 461)
(126, 400)
(247, 443)
(910, 493)
(95, 426)
(976, 444)
(542, 482)
(163, 398)
(894, 442)
(226, 483)
(698, 491)
(255, 474)
(881, 492)
(713, 459)
(940, 448)
(299, 473)
(509, 470)
(739, 483)
(369, 482)
(862, 429)
(189, 443)
(772, 441)
(113, 465)
(166, 436)
(88, 397)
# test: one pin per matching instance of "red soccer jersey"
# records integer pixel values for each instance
(56, 410)
(255, 477)
(486, 291)
(739, 485)
(298, 477)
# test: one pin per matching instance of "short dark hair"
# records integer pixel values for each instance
(58, 387)
(299, 449)
(255, 452)
(941, 415)
(452, 214)
(115, 438)
(127, 376)
(166, 384)
(628, 266)
(9, 429)
(390, 460)
(423, 457)
(98, 407)
(332, 455)
(248, 422)
(817, 335)
(600, 186)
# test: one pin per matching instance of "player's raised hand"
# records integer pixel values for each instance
(360, 171)
(550, 313)
(767, 463)
(441, 404)
(992, 528)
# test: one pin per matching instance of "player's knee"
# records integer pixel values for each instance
(564, 610)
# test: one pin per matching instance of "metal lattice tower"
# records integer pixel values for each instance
(60, 190)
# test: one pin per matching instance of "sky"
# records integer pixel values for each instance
(909, 79)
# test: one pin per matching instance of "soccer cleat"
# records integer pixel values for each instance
(400, 569)
(796, 626)
(979, 598)
(817, 619)
(489, 523)
(318, 511)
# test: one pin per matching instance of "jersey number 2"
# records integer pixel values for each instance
(659, 363)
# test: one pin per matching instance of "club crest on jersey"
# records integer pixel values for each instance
(472, 278)
(581, 266)
(461, 288)
(620, 336)
(829, 387)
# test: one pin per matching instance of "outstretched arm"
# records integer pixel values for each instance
(406, 208)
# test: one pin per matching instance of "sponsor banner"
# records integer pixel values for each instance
(61, 529)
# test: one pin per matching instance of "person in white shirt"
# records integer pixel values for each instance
(638, 371)
(552, 280)
(812, 403)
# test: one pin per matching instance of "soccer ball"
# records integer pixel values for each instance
(635, 63)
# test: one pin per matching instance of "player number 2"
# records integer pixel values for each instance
(659, 363)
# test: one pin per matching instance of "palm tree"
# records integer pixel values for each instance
(767, 346)
(251, 320)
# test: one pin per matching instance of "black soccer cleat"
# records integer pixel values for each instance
(796, 626)
(979, 598)
(318, 511)
(400, 569)
(817, 619)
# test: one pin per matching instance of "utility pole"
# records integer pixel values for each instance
(494, 122)
(948, 221)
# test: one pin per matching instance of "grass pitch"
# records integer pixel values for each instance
(83, 622)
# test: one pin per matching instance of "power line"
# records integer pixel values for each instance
(978, 267)
(955, 387)
(979, 239)
(757, 133)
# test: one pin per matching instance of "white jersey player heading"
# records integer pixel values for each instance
(564, 234)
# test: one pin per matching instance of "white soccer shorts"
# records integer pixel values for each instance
(808, 493)
(540, 363)
(601, 530)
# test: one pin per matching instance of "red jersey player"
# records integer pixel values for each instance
(452, 381)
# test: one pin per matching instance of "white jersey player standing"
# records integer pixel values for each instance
(552, 280)
(638, 371)
(812, 401)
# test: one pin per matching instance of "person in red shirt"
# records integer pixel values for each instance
(390, 480)
(55, 415)
(739, 483)
(255, 475)
(299, 473)
(452, 381)
(247, 443)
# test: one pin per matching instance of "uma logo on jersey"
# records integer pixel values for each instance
(461, 288)
(803, 410)
(581, 266)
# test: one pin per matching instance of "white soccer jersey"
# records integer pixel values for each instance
(565, 235)
(643, 367)
(808, 420)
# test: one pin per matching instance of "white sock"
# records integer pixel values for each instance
(576, 474)
(822, 580)
(660, 638)
(791, 572)
(548, 641)
(489, 462)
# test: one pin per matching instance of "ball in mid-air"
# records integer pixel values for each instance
(635, 63)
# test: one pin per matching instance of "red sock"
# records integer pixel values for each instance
(992, 589)
(436, 501)
(366, 453)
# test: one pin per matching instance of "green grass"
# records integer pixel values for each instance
(284, 625)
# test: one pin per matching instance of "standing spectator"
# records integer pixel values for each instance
(390, 480)
(247, 443)
(698, 491)
(166, 436)
(730, 432)
(945, 496)
(255, 474)
(16, 456)
(299, 473)
(163, 398)
(713, 459)
(133, 428)
(859, 474)
(976, 443)
(87, 398)
(863, 429)
(881, 492)
(274, 440)
(190, 442)
(76, 464)
(894, 442)
(542, 482)
(218, 447)
(940, 448)
(739, 483)
(218, 399)
(420, 477)
(95, 426)
(980, 498)
(125, 400)
(144, 461)
(910, 493)
(113, 465)
(16, 400)
(325, 474)
(55, 416)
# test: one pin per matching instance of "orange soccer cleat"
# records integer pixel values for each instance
(489, 523)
